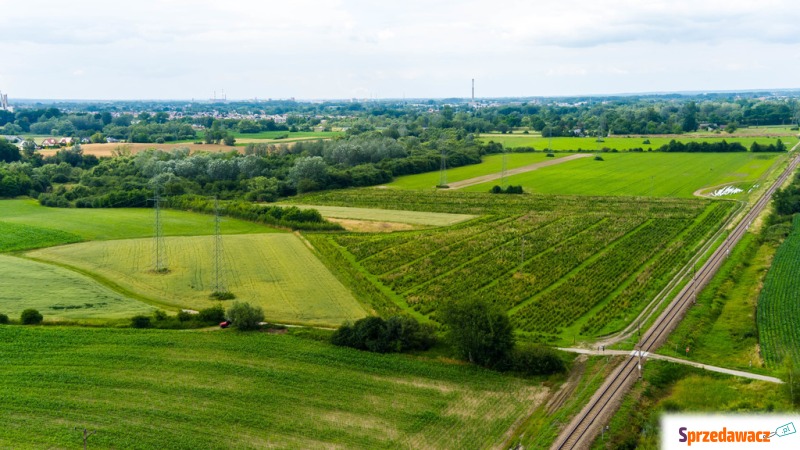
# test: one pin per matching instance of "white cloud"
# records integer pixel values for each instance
(307, 48)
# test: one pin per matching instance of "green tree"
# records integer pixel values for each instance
(8, 151)
(28, 148)
(245, 316)
(479, 331)
(31, 317)
(689, 117)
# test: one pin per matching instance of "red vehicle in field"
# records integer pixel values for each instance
(225, 324)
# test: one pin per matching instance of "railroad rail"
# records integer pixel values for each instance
(583, 429)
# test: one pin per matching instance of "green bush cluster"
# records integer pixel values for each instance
(481, 333)
(289, 217)
(245, 316)
(31, 317)
(182, 320)
(508, 190)
(396, 334)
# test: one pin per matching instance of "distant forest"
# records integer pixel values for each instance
(374, 142)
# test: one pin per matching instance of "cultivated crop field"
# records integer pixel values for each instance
(644, 174)
(118, 223)
(562, 266)
(151, 389)
(779, 303)
(60, 294)
(275, 271)
(15, 237)
(541, 143)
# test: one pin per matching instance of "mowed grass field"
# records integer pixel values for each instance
(491, 164)
(275, 271)
(156, 389)
(60, 294)
(644, 174)
(118, 223)
(623, 143)
(390, 215)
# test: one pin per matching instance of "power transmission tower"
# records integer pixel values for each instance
(159, 247)
(219, 280)
(221, 291)
(443, 171)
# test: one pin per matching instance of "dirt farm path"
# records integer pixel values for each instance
(518, 170)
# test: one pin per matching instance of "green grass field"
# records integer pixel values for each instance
(390, 215)
(779, 303)
(644, 174)
(59, 294)
(275, 271)
(156, 389)
(118, 223)
(15, 237)
(620, 142)
(491, 164)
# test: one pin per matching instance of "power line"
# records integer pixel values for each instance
(443, 170)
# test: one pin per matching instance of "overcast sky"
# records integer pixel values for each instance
(183, 49)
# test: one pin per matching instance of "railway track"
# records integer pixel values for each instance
(583, 429)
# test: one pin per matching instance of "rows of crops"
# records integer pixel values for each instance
(549, 261)
(155, 389)
(14, 237)
(779, 303)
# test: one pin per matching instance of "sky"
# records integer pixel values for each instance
(338, 49)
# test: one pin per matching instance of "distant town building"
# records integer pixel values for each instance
(4, 103)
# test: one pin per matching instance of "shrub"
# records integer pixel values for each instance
(405, 333)
(344, 336)
(159, 315)
(214, 314)
(370, 334)
(31, 317)
(140, 321)
(3, 319)
(598, 158)
(185, 316)
(222, 295)
(550, 155)
(537, 360)
(245, 316)
(398, 334)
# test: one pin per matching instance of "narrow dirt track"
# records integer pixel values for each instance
(518, 170)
